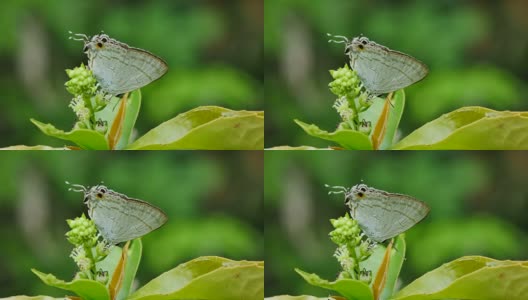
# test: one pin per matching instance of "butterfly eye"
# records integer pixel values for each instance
(104, 40)
(102, 190)
(360, 47)
(360, 194)
(99, 45)
(363, 189)
(364, 42)
(99, 195)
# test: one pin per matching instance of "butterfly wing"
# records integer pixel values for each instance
(120, 69)
(383, 215)
(382, 70)
(141, 69)
(104, 64)
(120, 218)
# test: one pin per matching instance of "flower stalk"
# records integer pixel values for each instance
(351, 99)
(351, 248)
(88, 250)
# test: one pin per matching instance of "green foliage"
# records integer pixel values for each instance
(287, 297)
(459, 41)
(351, 289)
(84, 138)
(32, 298)
(469, 86)
(201, 278)
(214, 55)
(231, 237)
(358, 139)
(207, 278)
(471, 128)
(206, 128)
(346, 138)
(476, 194)
(471, 277)
(499, 239)
(85, 288)
(102, 125)
(209, 197)
(358, 289)
(467, 128)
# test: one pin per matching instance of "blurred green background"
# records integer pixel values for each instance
(478, 206)
(213, 201)
(477, 53)
(213, 49)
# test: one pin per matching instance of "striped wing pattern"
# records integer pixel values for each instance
(120, 218)
(383, 70)
(382, 215)
(119, 68)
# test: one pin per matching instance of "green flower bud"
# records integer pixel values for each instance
(345, 82)
(83, 232)
(82, 82)
(346, 230)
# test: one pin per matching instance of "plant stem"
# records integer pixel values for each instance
(89, 255)
(352, 103)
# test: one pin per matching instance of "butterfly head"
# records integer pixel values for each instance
(357, 45)
(356, 193)
(96, 192)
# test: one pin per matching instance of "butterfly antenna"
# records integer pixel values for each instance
(340, 189)
(78, 37)
(339, 39)
(76, 187)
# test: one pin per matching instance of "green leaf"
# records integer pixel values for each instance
(131, 267)
(297, 148)
(395, 113)
(471, 128)
(207, 278)
(110, 262)
(206, 127)
(470, 277)
(109, 113)
(84, 138)
(288, 297)
(31, 298)
(356, 140)
(395, 264)
(39, 147)
(349, 288)
(347, 138)
(84, 288)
